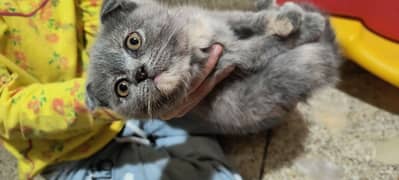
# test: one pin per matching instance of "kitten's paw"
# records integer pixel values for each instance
(265, 4)
(312, 27)
(287, 21)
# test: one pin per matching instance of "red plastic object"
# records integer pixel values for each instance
(382, 17)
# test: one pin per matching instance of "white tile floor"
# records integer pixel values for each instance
(348, 132)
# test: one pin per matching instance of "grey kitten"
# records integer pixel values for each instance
(147, 54)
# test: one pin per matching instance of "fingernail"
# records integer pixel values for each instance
(216, 48)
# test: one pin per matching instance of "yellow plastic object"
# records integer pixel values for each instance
(371, 51)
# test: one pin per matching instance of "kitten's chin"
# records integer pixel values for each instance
(175, 78)
(167, 83)
(152, 105)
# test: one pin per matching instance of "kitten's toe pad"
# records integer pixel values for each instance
(288, 23)
(281, 27)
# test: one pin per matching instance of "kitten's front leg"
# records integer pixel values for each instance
(283, 21)
(265, 4)
(294, 23)
(280, 21)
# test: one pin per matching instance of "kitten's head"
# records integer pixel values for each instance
(143, 60)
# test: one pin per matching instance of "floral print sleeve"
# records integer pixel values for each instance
(42, 92)
(43, 52)
(41, 124)
(47, 111)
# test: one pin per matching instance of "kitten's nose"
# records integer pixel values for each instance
(141, 74)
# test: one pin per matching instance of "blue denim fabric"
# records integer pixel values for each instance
(153, 150)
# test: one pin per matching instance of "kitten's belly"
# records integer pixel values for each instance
(230, 105)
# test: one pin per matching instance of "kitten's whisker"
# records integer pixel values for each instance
(155, 52)
(149, 112)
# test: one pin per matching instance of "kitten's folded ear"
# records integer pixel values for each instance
(117, 8)
(91, 102)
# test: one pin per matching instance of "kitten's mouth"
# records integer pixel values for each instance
(162, 95)
(157, 78)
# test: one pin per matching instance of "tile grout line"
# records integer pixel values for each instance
(264, 157)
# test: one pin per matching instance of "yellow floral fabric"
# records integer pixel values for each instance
(43, 54)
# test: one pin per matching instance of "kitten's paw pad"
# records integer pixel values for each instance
(282, 27)
(287, 21)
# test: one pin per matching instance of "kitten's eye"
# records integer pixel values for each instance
(133, 41)
(122, 88)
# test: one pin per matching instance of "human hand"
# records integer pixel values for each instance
(203, 84)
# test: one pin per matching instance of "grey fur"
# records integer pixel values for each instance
(282, 55)
(265, 4)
